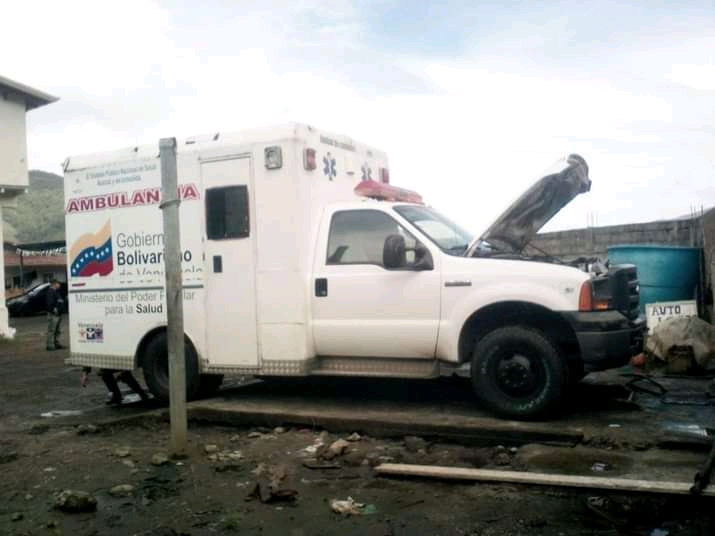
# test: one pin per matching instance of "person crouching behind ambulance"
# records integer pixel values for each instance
(110, 381)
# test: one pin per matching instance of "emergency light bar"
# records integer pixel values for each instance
(387, 192)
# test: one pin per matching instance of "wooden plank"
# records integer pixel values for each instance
(518, 477)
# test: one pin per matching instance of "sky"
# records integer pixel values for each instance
(470, 100)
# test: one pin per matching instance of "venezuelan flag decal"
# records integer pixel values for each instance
(91, 254)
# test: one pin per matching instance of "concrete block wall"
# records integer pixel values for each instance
(594, 241)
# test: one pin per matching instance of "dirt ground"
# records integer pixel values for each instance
(123, 467)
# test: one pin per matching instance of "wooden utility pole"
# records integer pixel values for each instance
(174, 294)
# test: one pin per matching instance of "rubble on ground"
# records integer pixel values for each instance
(681, 345)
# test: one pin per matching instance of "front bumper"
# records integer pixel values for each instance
(607, 339)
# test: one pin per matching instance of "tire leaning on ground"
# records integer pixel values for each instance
(156, 368)
(517, 372)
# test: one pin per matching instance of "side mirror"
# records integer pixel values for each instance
(394, 252)
(394, 255)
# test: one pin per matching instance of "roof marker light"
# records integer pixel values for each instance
(309, 160)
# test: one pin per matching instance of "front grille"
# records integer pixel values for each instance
(625, 289)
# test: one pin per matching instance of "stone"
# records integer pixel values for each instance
(354, 437)
(83, 429)
(502, 458)
(255, 435)
(413, 443)
(210, 449)
(122, 452)
(235, 455)
(279, 430)
(73, 501)
(234, 437)
(17, 516)
(122, 490)
(159, 459)
(128, 463)
(337, 448)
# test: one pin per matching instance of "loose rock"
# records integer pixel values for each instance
(122, 490)
(159, 459)
(209, 449)
(75, 501)
(83, 429)
(354, 437)
(279, 430)
(413, 444)
(336, 448)
(122, 452)
(502, 458)
(17, 516)
(255, 435)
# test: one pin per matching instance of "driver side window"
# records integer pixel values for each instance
(358, 237)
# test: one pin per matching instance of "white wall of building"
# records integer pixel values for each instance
(13, 141)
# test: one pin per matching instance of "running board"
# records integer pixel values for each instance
(377, 367)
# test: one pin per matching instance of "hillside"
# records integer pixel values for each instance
(39, 215)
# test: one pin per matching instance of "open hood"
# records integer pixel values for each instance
(526, 216)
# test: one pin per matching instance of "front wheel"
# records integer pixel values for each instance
(518, 373)
(156, 368)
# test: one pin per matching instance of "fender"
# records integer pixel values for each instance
(527, 292)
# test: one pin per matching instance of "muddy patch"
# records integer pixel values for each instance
(573, 461)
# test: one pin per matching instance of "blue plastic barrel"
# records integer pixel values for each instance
(666, 273)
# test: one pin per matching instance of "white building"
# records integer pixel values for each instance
(15, 101)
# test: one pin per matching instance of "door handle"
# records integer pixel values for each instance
(321, 287)
(218, 264)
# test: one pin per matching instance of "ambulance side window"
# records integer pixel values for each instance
(358, 236)
(227, 213)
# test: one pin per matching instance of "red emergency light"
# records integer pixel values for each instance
(387, 192)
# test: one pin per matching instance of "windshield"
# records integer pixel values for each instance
(448, 236)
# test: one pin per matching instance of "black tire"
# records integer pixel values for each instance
(156, 368)
(209, 384)
(518, 373)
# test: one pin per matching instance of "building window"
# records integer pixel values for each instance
(227, 214)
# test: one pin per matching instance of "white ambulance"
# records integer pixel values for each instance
(300, 258)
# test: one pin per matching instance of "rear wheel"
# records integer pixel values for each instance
(518, 372)
(156, 368)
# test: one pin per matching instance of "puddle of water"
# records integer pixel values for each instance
(688, 430)
(62, 413)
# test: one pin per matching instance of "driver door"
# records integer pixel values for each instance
(360, 308)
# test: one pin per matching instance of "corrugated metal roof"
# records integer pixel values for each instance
(34, 98)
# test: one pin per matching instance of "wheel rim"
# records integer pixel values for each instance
(518, 373)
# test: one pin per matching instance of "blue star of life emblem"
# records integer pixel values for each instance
(329, 166)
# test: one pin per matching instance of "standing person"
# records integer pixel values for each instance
(54, 303)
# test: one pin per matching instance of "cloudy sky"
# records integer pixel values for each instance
(471, 100)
